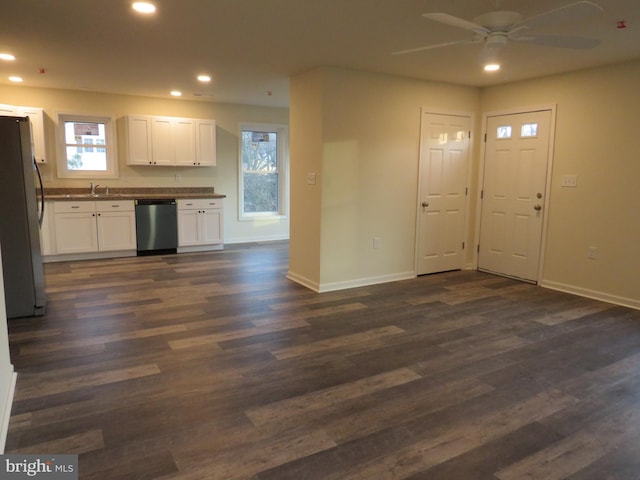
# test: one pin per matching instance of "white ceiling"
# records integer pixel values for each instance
(252, 47)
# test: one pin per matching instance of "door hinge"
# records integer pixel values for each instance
(463, 245)
(469, 133)
(485, 138)
(466, 191)
(478, 248)
(481, 194)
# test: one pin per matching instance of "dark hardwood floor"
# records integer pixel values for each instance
(215, 366)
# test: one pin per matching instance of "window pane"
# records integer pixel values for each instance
(77, 160)
(529, 130)
(260, 171)
(77, 132)
(504, 131)
(260, 192)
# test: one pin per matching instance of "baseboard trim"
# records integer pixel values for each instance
(200, 248)
(360, 282)
(67, 257)
(594, 294)
(5, 415)
(271, 238)
(305, 282)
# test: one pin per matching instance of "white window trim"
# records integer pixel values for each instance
(283, 172)
(111, 145)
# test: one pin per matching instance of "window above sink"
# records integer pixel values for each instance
(87, 146)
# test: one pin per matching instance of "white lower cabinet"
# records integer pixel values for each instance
(200, 224)
(47, 232)
(94, 226)
(116, 228)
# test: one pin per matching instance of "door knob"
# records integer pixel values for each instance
(425, 204)
(537, 207)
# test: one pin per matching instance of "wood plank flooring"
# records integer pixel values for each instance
(215, 366)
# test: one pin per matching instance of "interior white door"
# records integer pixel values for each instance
(513, 193)
(444, 163)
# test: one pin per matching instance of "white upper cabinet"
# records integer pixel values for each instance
(8, 110)
(184, 140)
(36, 116)
(163, 150)
(206, 144)
(139, 140)
(171, 141)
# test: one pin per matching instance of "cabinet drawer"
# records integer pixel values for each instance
(115, 206)
(74, 207)
(199, 203)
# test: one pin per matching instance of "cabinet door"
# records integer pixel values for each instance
(139, 140)
(47, 231)
(211, 226)
(206, 142)
(116, 231)
(162, 141)
(8, 110)
(188, 228)
(184, 130)
(36, 116)
(76, 232)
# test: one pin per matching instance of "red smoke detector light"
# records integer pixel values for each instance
(622, 24)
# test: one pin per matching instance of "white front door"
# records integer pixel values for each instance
(444, 146)
(513, 193)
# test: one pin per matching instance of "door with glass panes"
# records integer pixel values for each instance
(513, 193)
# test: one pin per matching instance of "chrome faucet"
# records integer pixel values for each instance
(93, 188)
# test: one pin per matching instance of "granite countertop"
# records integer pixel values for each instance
(70, 194)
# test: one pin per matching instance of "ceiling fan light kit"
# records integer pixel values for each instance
(496, 29)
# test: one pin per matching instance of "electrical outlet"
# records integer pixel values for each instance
(178, 177)
(311, 178)
(592, 253)
(377, 243)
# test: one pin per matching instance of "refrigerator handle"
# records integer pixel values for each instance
(41, 216)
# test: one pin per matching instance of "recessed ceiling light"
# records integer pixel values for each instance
(7, 56)
(143, 7)
(491, 67)
(176, 93)
(15, 79)
(204, 78)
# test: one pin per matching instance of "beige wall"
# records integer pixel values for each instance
(305, 152)
(597, 139)
(366, 152)
(224, 176)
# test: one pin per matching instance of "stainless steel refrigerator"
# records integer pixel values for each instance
(19, 220)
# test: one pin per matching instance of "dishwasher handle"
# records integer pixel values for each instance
(155, 202)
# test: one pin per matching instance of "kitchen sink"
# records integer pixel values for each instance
(88, 196)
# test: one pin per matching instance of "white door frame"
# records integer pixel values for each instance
(547, 190)
(467, 206)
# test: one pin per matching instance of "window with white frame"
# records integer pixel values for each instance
(263, 171)
(78, 156)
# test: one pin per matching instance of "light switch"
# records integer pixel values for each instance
(311, 178)
(570, 181)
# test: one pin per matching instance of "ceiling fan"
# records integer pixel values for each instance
(495, 29)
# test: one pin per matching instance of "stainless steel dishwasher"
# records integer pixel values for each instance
(156, 227)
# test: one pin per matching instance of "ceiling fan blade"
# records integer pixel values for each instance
(568, 13)
(562, 41)
(456, 22)
(437, 45)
